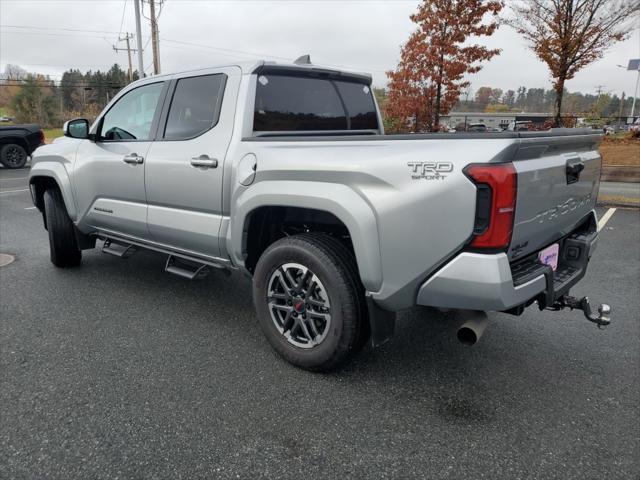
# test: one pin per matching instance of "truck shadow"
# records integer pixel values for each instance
(423, 365)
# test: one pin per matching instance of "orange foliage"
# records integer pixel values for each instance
(435, 59)
(570, 34)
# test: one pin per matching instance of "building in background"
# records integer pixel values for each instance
(461, 120)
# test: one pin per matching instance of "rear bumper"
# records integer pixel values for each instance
(477, 281)
(474, 281)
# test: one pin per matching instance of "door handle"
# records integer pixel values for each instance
(204, 161)
(133, 159)
(573, 168)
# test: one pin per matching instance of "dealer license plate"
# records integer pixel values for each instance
(549, 256)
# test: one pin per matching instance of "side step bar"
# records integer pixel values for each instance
(122, 250)
(186, 268)
(179, 264)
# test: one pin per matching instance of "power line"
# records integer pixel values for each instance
(180, 42)
(124, 9)
(45, 79)
(210, 47)
(265, 55)
(60, 64)
(53, 34)
(77, 33)
(16, 83)
(65, 29)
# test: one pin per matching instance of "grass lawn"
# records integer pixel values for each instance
(619, 200)
(620, 153)
(51, 133)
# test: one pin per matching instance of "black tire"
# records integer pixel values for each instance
(63, 244)
(13, 156)
(334, 266)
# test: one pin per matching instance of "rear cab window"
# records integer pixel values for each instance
(195, 106)
(298, 103)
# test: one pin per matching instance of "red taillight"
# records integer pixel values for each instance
(500, 210)
(41, 137)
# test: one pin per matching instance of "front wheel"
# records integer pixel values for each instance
(63, 244)
(309, 300)
(13, 156)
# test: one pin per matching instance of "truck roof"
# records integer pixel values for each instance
(253, 66)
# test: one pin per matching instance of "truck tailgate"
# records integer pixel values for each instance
(558, 181)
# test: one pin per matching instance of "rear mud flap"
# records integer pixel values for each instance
(382, 322)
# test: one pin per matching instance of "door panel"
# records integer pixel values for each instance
(109, 173)
(110, 192)
(183, 175)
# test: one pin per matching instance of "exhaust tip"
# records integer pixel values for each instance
(467, 336)
(471, 331)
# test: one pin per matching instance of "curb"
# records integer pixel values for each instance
(618, 205)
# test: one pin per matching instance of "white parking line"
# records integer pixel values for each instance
(14, 191)
(29, 208)
(605, 218)
(13, 178)
(6, 259)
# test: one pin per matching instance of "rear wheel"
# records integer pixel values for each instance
(309, 300)
(63, 244)
(13, 156)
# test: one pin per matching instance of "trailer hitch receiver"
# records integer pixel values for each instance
(601, 319)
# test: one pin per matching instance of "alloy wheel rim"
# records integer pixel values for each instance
(14, 156)
(299, 305)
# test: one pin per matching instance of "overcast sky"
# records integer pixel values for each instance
(363, 35)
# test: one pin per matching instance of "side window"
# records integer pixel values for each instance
(358, 100)
(132, 116)
(195, 106)
(288, 103)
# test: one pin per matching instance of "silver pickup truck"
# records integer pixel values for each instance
(284, 172)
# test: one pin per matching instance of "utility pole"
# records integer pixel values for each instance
(633, 104)
(139, 39)
(621, 110)
(154, 38)
(126, 38)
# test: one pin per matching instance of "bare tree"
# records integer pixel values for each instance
(14, 72)
(568, 35)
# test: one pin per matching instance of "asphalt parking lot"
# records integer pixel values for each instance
(118, 370)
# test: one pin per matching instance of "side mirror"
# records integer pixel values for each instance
(77, 128)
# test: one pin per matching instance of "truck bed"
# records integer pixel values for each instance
(372, 136)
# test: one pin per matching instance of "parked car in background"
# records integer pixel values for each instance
(520, 126)
(476, 127)
(613, 129)
(17, 143)
(5, 119)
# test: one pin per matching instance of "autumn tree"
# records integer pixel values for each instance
(568, 35)
(483, 96)
(9, 85)
(521, 97)
(35, 101)
(496, 95)
(433, 63)
(510, 98)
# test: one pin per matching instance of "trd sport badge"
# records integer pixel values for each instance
(430, 170)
